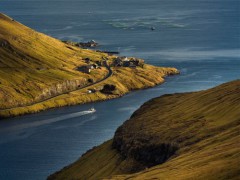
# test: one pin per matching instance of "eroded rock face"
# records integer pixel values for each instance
(153, 154)
(148, 151)
(61, 88)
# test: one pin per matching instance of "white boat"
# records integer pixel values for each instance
(153, 28)
(92, 110)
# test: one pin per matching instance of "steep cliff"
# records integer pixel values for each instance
(176, 136)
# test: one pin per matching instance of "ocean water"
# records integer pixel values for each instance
(199, 37)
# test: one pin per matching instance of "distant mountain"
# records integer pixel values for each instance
(176, 136)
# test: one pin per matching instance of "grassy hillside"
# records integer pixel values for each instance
(35, 67)
(179, 136)
(31, 61)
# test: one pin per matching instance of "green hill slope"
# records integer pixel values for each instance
(31, 62)
(38, 72)
(179, 136)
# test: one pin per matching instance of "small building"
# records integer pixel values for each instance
(90, 80)
(132, 65)
(95, 66)
(99, 63)
(125, 58)
(117, 62)
(137, 62)
(91, 91)
(126, 63)
(134, 61)
(92, 41)
(91, 66)
(87, 60)
(85, 69)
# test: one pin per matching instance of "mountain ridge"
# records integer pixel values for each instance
(175, 136)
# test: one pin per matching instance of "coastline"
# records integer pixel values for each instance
(182, 127)
(39, 72)
(195, 132)
(125, 79)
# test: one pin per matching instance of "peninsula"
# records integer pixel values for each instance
(38, 72)
(176, 136)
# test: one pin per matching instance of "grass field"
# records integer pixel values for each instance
(178, 136)
(35, 67)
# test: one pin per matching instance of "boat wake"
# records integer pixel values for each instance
(47, 121)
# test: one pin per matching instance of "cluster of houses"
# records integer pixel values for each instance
(88, 68)
(127, 62)
(91, 43)
(117, 62)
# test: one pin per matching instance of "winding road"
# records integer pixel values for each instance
(89, 85)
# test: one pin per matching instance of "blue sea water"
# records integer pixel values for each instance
(199, 37)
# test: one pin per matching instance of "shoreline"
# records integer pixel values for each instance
(48, 79)
(76, 97)
(158, 129)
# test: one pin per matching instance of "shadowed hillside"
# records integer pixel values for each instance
(38, 72)
(178, 136)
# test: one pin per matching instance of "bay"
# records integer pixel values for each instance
(201, 38)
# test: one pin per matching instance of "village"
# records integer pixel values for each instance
(128, 62)
(116, 63)
(119, 61)
(88, 44)
(90, 66)
(122, 61)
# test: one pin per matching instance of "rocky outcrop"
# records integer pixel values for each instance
(148, 151)
(108, 89)
(60, 88)
(186, 135)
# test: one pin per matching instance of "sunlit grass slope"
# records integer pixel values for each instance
(35, 67)
(31, 61)
(179, 136)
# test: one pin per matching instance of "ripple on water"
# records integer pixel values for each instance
(145, 22)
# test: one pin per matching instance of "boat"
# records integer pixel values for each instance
(153, 28)
(92, 110)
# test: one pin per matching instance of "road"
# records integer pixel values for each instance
(41, 101)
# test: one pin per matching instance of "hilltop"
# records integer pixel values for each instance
(176, 136)
(38, 72)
